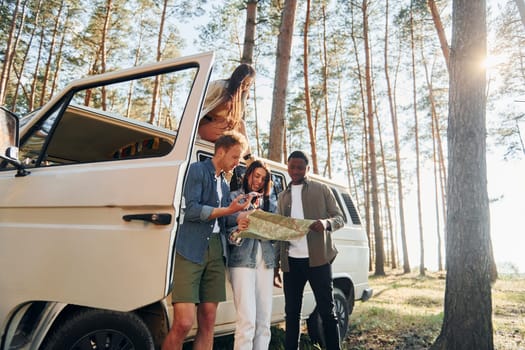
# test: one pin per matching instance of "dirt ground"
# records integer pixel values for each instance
(406, 312)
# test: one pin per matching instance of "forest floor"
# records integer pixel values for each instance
(406, 312)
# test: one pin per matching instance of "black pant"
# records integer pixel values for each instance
(320, 279)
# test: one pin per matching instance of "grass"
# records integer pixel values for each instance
(406, 313)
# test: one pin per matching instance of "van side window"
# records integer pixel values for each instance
(338, 199)
(351, 208)
(278, 183)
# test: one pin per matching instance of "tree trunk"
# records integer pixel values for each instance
(378, 234)
(282, 65)
(467, 321)
(103, 50)
(247, 55)
(521, 9)
(434, 126)
(9, 55)
(249, 31)
(392, 248)
(19, 84)
(154, 118)
(37, 68)
(58, 60)
(325, 96)
(51, 55)
(440, 31)
(307, 101)
(393, 116)
(416, 139)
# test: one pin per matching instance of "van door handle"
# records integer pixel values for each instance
(157, 219)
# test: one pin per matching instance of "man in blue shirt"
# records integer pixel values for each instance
(199, 280)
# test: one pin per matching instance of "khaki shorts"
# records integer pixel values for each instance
(196, 283)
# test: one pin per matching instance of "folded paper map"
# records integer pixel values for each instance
(268, 226)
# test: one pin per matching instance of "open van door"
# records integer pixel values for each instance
(93, 220)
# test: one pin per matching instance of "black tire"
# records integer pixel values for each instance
(97, 329)
(343, 309)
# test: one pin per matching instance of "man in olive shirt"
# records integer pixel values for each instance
(309, 258)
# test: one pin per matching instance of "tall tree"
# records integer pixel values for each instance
(467, 322)
(247, 55)
(282, 65)
(249, 32)
(10, 51)
(391, 248)
(154, 116)
(436, 160)
(521, 9)
(440, 31)
(307, 100)
(416, 139)
(395, 129)
(103, 46)
(325, 65)
(51, 54)
(32, 31)
(378, 234)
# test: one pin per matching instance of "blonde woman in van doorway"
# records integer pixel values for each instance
(251, 263)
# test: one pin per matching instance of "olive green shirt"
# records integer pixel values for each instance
(318, 203)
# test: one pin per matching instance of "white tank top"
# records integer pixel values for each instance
(298, 247)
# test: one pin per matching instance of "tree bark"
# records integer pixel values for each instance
(416, 140)
(325, 96)
(9, 55)
(392, 248)
(51, 54)
(19, 84)
(521, 9)
(307, 101)
(378, 234)
(467, 322)
(247, 55)
(393, 117)
(37, 68)
(282, 65)
(440, 31)
(58, 59)
(154, 117)
(436, 145)
(249, 31)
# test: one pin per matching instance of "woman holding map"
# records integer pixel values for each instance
(251, 264)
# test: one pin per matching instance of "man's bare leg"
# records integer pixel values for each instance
(206, 313)
(183, 317)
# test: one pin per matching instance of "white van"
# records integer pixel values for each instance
(90, 203)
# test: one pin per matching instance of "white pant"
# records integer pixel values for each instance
(252, 295)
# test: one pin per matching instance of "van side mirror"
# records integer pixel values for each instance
(9, 125)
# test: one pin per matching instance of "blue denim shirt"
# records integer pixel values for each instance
(200, 196)
(245, 254)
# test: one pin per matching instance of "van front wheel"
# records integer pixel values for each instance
(99, 329)
(342, 312)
